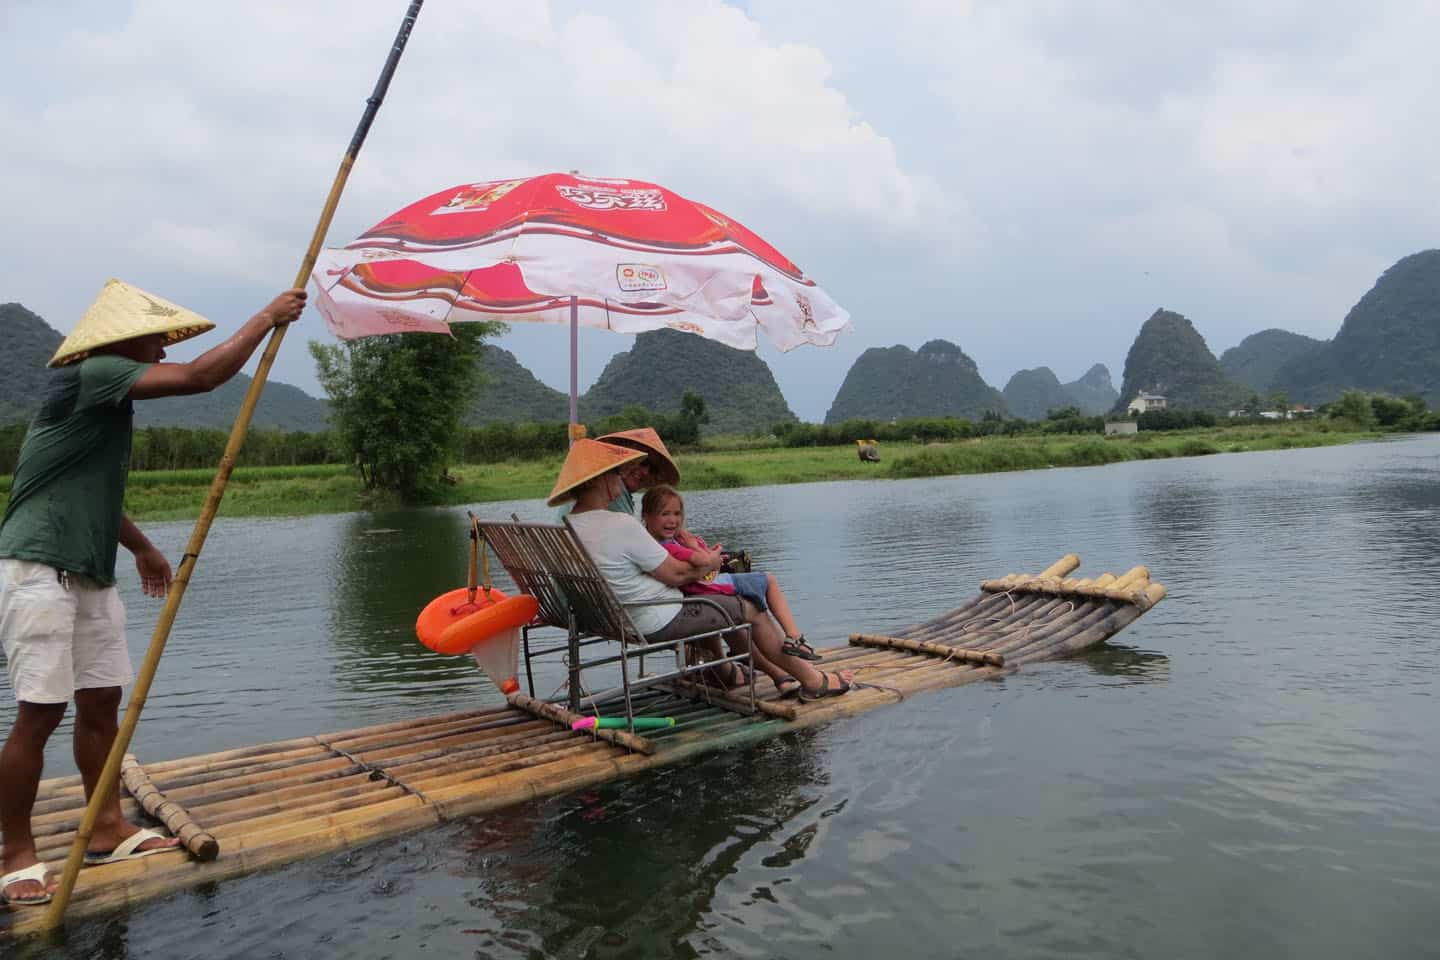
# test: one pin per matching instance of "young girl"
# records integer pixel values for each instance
(663, 512)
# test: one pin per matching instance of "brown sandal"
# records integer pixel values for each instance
(799, 647)
(826, 690)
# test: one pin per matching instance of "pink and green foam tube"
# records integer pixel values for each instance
(618, 723)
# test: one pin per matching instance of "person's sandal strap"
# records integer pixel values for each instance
(826, 690)
(36, 872)
(799, 647)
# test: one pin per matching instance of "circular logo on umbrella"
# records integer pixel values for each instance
(632, 277)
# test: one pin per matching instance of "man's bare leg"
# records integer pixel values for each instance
(22, 761)
(96, 711)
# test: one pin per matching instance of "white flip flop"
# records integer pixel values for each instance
(127, 849)
(37, 872)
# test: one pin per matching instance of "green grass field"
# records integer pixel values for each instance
(291, 491)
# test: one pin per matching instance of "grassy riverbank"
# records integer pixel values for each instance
(292, 491)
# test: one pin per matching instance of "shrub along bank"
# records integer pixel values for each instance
(331, 488)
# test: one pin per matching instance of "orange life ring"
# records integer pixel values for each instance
(452, 624)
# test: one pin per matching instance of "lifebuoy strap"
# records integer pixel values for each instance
(479, 548)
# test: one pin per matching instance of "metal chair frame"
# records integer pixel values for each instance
(549, 562)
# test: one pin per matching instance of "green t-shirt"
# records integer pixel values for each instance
(68, 494)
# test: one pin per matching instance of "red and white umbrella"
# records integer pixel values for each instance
(621, 255)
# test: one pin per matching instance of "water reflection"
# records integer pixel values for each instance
(557, 887)
(1129, 663)
(385, 568)
(1181, 513)
(1401, 514)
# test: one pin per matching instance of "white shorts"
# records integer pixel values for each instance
(59, 636)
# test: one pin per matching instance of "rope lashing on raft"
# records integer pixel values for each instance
(376, 773)
(1024, 633)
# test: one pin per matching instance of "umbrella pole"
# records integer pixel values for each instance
(576, 431)
(106, 785)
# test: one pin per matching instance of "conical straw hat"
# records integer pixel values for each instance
(586, 461)
(123, 312)
(645, 438)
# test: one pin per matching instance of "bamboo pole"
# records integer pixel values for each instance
(235, 809)
(220, 758)
(1063, 567)
(933, 649)
(1116, 620)
(389, 755)
(468, 759)
(499, 766)
(1129, 587)
(327, 769)
(978, 607)
(1027, 637)
(189, 781)
(897, 678)
(106, 785)
(735, 697)
(1024, 618)
(202, 846)
(704, 699)
(323, 751)
(550, 711)
(996, 607)
(502, 726)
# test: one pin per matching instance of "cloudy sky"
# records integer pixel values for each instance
(1029, 180)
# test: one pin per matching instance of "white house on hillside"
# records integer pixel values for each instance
(1145, 402)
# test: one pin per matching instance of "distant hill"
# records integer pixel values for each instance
(281, 407)
(1170, 357)
(511, 393)
(1031, 394)
(1093, 393)
(740, 392)
(1254, 362)
(30, 343)
(1389, 342)
(938, 380)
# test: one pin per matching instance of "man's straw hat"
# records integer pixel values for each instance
(586, 461)
(645, 438)
(123, 312)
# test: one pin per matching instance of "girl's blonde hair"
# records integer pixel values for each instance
(656, 497)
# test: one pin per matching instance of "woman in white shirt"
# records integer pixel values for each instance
(639, 569)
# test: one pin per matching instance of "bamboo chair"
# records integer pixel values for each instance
(549, 562)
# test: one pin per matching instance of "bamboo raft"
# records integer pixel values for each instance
(254, 808)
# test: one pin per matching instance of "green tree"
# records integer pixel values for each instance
(692, 408)
(397, 400)
(1355, 406)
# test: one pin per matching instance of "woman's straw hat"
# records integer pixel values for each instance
(586, 461)
(645, 438)
(123, 312)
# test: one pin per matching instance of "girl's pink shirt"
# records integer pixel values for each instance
(700, 586)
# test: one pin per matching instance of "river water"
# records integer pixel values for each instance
(1248, 771)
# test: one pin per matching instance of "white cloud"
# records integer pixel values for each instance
(1029, 180)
